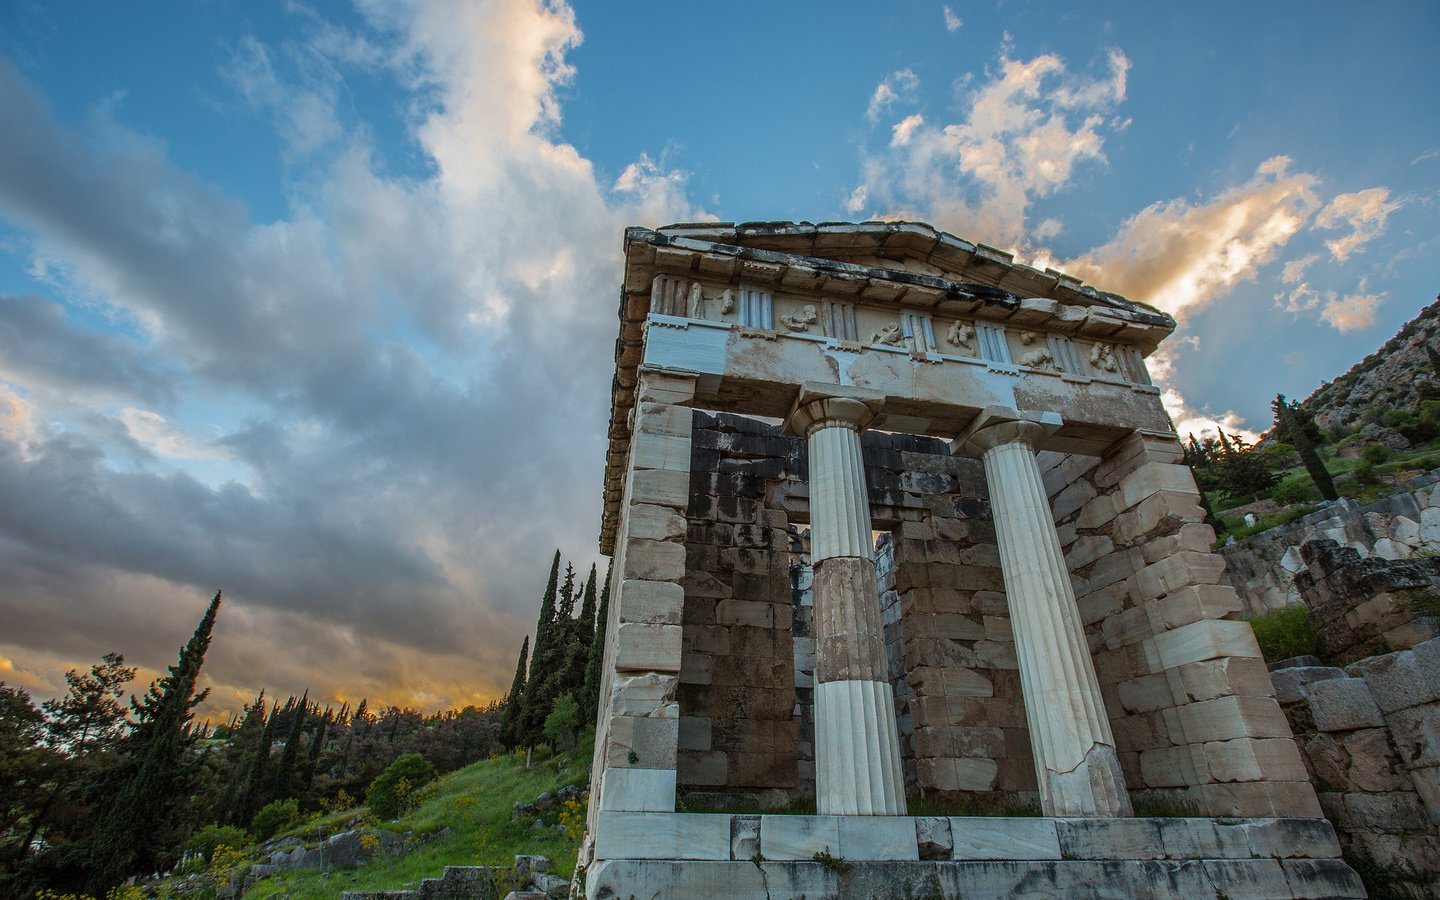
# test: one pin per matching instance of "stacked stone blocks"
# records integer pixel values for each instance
(1187, 692)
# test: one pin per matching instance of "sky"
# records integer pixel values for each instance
(315, 303)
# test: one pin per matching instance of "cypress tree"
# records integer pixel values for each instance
(132, 831)
(285, 772)
(590, 693)
(582, 636)
(515, 700)
(252, 795)
(542, 663)
(1292, 424)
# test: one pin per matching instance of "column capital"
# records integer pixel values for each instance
(820, 404)
(998, 425)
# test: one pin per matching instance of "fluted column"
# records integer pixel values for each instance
(1076, 764)
(857, 749)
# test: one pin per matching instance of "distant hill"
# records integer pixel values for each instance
(1398, 376)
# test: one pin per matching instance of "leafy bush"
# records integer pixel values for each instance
(208, 838)
(1293, 490)
(560, 724)
(1286, 633)
(393, 790)
(1375, 454)
(274, 817)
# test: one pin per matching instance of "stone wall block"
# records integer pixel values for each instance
(1292, 683)
(641, 647)
(1169, 508)
(1208, 679)
(652, 602)
(1005, 838)
(1344, 704)
(647, 790)
(642, 742)
(662, 387)
(1195, 602)
(1247, 759)
(662, 487)
(1228, 718)
(654, 561)
(1149, 480)
(1146, 694)
(655, 523)
(1110, 838)
(1178, 571)
(650, 835)
(1407, 678)
(1208, 639)
(1173, 766)
(1417, 734)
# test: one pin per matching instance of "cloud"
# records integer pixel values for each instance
(1024, 132)
(396, 379)
(1180, 256)
(1351, 312)
(953, 22)
(1364, 212)
(893, 88)
(1294, 270)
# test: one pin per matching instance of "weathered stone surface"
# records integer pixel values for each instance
(1292, 683)
(933, 837)
(1344, 704)
(1004, 838)
(645, 835)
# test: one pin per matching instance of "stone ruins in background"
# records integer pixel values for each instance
(893, 518)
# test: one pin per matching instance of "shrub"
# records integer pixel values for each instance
(1375, 454)
(208, 838)
(274, 817)
(393, 790)
(1286, 633)
(560, 724)
(1293, 490)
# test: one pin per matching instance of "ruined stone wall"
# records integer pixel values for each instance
(738, 731)
(1359, 607)
(1185, 688)
(1370, 733)
(952, 654)
(1262, 568)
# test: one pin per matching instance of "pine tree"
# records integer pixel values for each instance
(590, 693)
(132, 831)
(1292, 423)
(515, 700)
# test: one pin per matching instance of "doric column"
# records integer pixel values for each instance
(857, 749)
(1075, 760)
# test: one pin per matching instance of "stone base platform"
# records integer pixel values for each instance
(660, 855)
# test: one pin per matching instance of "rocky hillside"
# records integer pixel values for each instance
(1397, 376)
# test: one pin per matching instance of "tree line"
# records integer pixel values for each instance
(93, 793)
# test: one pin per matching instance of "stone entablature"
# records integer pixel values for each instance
(998, 333)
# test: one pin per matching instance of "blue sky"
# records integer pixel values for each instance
(314, 302)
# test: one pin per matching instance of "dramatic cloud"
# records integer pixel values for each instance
(1364, 212)
(370, 421)
(1024, 132)
(1179, 256)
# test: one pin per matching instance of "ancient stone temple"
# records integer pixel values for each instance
(898, 521)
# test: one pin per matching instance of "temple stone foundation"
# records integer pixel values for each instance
(895, 518)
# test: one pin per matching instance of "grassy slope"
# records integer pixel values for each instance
(476, 803)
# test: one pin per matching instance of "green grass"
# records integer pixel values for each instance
(476, 803)
(1286, 633)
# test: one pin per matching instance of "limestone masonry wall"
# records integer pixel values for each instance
(1184, 684)
(1370, 733)
(1262, 568)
